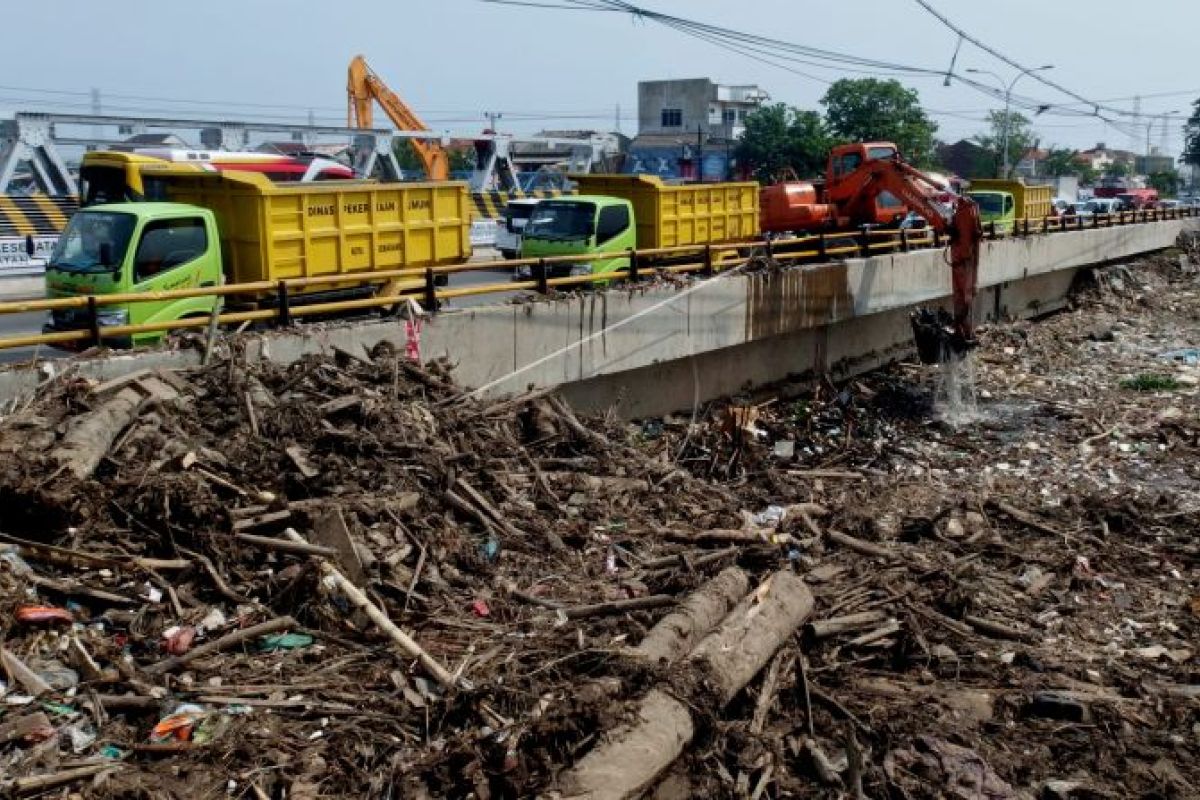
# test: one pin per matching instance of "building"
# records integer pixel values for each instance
(1100, 158)
(1029, 165)
(687, 128)
(1155, 162)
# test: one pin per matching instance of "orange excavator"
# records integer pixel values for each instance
(364, 88)
(869, 184)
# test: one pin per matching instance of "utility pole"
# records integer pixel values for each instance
(96, 111)
(617, 128)
(699, 154)
(492, 117)
(1006, 122)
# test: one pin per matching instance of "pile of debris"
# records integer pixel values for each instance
(346, 577)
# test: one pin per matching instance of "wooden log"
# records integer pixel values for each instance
(224, 643)
(824, 628)
(632, 757)
(677, 633)
(997, 630)
(618, 606)
(866, 548)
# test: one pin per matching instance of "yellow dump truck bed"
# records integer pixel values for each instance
(272, 232)
(1032, 202)
(669, 216)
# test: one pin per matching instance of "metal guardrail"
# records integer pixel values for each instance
(286, 296)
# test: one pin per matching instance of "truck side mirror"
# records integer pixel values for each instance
(29, 246)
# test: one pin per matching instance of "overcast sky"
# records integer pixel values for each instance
(453, 60)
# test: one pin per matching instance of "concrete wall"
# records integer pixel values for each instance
(659, 349)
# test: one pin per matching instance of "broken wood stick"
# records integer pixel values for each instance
(830, 474)
(37, 783)
(633, 755)
(406, 643)
(997, 630)
(824, 628)
(618, 606)
(224, 643)
(1024, 517)
(719, 536)
(20, 672)
(677, 633)
(884, 631)
(285, 545)
(866, 548)
(766, 695)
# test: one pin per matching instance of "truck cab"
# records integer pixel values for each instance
(595, 224)
(996, 207)
(134, 248)
(512, 224)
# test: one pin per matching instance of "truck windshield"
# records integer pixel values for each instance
(516, 215)
(988, 202)
(99, 185)
(562, 221)
(94, 241)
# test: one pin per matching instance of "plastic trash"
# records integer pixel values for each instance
(112, 751)
(44, 615)
(178, 639)
(178, 726)
(285, 641)
(769, 518)
(10, 556)
(81, 736)
(57, 674)
(480, 609)
(1186, 355)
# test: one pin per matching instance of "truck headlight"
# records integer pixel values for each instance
(113, 316)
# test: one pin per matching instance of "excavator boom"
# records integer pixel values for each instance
(364, 88)
(960, 223)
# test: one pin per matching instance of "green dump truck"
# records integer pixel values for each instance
(614, 214)
(1003, 202)
(242, 228)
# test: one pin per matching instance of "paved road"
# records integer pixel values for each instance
(19, 324)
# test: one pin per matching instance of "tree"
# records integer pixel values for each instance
(868, 109)
(1191, 138)
(779, 137)
(1167, 183)
(1118, 169)
(1060, 161)
(1020, 138)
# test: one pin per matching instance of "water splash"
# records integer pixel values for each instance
(956, 398)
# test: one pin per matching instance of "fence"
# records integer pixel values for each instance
(286, 302)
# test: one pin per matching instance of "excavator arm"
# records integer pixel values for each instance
(960, 223)
(364, 88)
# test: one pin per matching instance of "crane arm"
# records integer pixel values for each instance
(363, 89)
(960, 223)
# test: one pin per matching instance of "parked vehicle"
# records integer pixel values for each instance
(243, 228)
(511, 225)
(110, 176)
(1083, 208)
(1138, 199)
(615, 213)
(996, 209)
(1105, 205)
(1029, 202)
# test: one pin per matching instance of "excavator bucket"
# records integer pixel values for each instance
(937, 337)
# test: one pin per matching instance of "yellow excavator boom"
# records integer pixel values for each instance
(364, 88)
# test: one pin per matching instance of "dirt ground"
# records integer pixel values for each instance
(1005, 593)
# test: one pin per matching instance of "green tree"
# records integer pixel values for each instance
(1020, 138)
(868, 109)
(779, 137)
(1167, 183)
(1191, 138)
(1060, 161)
(1118, 169)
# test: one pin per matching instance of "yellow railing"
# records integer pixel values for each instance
(286, 300)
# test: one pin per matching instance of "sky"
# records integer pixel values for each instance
(455, 60)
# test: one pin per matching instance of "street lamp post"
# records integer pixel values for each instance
(1007, 106)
